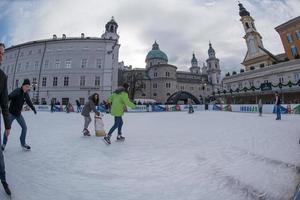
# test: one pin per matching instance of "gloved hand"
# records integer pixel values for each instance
(34, 111)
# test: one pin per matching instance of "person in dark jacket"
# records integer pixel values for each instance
(17, 99)
(87, 109)
(52, 105)
(277, 106)
(78, 106)
(4, 110)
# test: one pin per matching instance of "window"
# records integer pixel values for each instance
(297, 76)
(54, 81)
(168, 85)
(98, 63)
(294, 51)
(168, 94)
(289, 38)
(82, 80)
(83, 63)
(65, 101)
(155, 94)
(68, 63)
(57, 64)
(216, 65)
(44, 82)
(27, 66)
(240, 85)
(97, 81)
(281, 79)
(34, 80)
(154, 85)
(298, 34)
(155, 74)
(46, 64)
(36, 64)
(81, 100)
(251, 83)
(262, 65)
(66, 81)
(167, 74)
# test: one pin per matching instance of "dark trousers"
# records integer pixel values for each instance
(23, 125)
(278, 112)
(2, 164)
(118, 124)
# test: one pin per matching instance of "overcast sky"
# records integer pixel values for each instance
(181, 27)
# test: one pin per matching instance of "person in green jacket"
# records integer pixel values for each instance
(118, 100)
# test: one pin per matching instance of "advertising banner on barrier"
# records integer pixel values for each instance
(139, 108)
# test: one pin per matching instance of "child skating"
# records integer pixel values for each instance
(87, 109)
(118, 100)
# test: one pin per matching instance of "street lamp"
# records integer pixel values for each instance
(34, 96)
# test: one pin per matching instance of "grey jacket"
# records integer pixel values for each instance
(89, 107)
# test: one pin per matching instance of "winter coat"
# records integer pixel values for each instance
(89, 107)
(17, 99)
(119, 100)
(4, 99)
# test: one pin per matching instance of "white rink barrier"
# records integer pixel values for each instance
(247, 108)
(253, 108)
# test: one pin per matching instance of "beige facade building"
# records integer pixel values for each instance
(162, 81)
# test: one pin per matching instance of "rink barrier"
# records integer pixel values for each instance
(253, 108)
(246, 108)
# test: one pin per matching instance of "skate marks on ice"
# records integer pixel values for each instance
(234, 157)
(267, 160)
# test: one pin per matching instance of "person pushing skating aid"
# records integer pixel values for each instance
(118, 100)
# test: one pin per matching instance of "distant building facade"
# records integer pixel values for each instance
(290, 36)
(264, 72)
(66, 69)
(161, 81)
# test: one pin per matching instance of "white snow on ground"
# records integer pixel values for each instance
(166, 156)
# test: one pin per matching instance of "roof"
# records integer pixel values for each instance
(156, 53)
(284, 25)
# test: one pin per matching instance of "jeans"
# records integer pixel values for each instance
(2, 165)
(87, 121)
(23, 125)
(78, 109)
(118, 124)
(278, 112)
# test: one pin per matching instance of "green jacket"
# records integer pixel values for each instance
(119, 100)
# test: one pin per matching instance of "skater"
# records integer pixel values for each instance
(118, 100)
(87, 109)
(17, 99)
(4, 110)
(78, 106)
(260, 107)
(191, 109)
(53, 105)
(277, 105)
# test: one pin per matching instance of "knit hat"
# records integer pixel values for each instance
(26, 82)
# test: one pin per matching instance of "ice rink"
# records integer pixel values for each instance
(166, 156)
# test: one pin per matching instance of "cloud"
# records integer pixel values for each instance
(180, 27)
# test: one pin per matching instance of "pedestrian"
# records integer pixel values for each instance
(191, 109)
(90, 106)
(53, 105)
(260, 107)
(277, 106)
(5, 113)
(17, 99)
(78, 106)
(118, 100)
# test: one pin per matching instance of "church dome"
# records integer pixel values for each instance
(243, 11)
(156, 53)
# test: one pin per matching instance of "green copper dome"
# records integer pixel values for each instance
(156, 53)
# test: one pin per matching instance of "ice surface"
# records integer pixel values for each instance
(166, 156)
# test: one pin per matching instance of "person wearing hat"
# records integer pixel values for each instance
(118, 100)
(4, 111)
(17, 99)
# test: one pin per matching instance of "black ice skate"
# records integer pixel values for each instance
(120, 138)
(86, 132)
(3, 147)
(107, 139)
(26, 147)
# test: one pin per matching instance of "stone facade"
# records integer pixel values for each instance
(159, 80)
